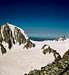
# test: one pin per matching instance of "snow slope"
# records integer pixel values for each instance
(19, 60)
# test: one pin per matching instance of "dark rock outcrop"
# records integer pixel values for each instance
(50, 50)
(44, 46)
(1, 38)
(11, 35)
(19, 37)
(55, 68)
(8, 37)
(3, 50)
(29, 44)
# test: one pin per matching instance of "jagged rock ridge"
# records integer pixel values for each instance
(47, 49)
(11, 35)
(61, 67)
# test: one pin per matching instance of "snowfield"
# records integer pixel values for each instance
(19, 61)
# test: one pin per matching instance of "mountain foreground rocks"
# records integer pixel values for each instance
(60, 67)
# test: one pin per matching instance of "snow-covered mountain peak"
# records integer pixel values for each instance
(22, 54)
(11, 35)
(13, 27)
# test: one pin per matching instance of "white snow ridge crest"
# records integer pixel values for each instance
(19, 54)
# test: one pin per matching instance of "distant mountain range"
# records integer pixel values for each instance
(42, 38)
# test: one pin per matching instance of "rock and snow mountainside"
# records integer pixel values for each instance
(61, 67)
(19, 54)
(10, 35)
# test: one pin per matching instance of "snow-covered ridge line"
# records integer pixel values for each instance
(11, 35)
(20, 60)
(13, 27)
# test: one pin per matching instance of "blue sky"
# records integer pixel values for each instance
(43, 18)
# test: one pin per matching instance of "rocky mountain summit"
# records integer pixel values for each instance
(23, 55)
(11, 35)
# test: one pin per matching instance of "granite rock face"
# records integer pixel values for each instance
(7, 36)
(3, 50)
(19, 37)
(1, 38)
(11, 35)
(29, 44)
(55, 68)
(49, 50)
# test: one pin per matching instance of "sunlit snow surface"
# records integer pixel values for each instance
(19, 61)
